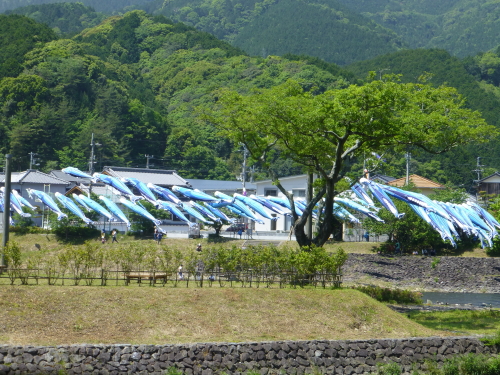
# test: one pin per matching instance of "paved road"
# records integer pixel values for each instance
(255, 236)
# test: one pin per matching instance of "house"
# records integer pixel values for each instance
(73, 181)
(423, 184)
(490, 184)
(160, 177)
(34, 179)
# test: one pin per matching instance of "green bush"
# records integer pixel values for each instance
(388, 369)
(493, 340)
(65, 233)
(472, 364)
(404, 297)
(495, 250)
(29, 230)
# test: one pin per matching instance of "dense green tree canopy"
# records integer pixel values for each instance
(65, 18)
(322, 132)
(134, 81)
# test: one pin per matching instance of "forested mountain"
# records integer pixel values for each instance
(108, 6)
(462, 27)
(135, 82)
(339, 31)
(475, 78)
(66, 18)
(18, 36)
(324, 29)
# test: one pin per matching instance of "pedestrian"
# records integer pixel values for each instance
(240, 232)
(103, 237)
(155, 235)
(113, 234)
(397, 248)
(198, 248)
(159, 236)
(179, 272)
(367, 236)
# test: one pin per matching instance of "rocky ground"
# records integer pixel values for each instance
(443, 274)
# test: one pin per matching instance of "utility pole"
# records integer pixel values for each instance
(408, 157)
(244, 174)
(6, 209)
(478, 169)
(92, 160)
(309, 197)
(33, 160)
(147, 160)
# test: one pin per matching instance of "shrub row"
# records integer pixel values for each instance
(398, 296)
(264, 264)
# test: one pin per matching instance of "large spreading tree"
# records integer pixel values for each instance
(322, 131)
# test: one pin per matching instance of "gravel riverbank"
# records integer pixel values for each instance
(443, 274)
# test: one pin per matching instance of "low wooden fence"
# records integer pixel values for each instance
(219, 277)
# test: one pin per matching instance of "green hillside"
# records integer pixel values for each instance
(108, 6)
(327, 30)
(135, 81)
(319, 29)
(462, 27)
(18, 36)
(479, 95)
(67, 18)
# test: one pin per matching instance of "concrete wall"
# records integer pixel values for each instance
(290, 357)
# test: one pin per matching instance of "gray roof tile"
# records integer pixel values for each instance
(161, 177)
(34, 177)
(219, 185)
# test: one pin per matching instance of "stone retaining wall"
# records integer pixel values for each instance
(290, 357)
(447, 274)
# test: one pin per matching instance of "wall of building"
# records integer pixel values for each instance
(290, 184)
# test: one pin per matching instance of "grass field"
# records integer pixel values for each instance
(45, 315)
(475, 322)
(52, 315)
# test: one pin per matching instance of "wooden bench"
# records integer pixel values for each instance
(151, 276)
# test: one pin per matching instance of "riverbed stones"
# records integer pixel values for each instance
(446, 274)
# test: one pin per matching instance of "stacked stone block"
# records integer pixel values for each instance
(281, 357)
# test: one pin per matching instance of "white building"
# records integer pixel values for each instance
(293, 184)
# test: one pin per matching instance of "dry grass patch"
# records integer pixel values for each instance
(43, 315)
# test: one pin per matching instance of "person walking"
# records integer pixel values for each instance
(179, 272)
(240, 232)
(113, 235)
(159, 236)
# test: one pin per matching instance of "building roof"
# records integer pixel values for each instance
(33, 176)
(496, 174)
(303, 176)
(66, 177)
(220, 185)
(99, 189)
(382, 178)
(160, 177)
(418, 181)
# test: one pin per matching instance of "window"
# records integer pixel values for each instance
(271, 192)
(299, 193)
